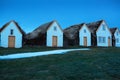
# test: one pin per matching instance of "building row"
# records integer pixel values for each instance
(52, 35)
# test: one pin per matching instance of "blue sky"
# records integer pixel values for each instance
(32, 13)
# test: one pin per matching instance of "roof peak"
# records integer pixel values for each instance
(93, 26)
(12, 21)
(100, 21)
(6, 24)
(114, 28)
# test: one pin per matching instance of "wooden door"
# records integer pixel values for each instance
(11, 41)
(109, 42)
(85, 41)
(54, 41)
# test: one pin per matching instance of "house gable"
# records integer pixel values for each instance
(84, 32)
(117, 38)
(103, 27)
(116, 34)
(11, 29)
(13, 23)
(84, 25)
(54, 30)
(12, 26)
(55, 23)
(104, 37)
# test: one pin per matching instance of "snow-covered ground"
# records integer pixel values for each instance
(33, 54)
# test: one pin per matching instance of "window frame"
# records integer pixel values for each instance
(103, 27)
(84, 30)
(117, 40)
(11, 31)
(117, 33)
(102, 39)
(55, 28)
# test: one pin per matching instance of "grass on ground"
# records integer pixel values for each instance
(4, 51)
(96, 64)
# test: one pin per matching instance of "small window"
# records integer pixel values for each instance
(103, 27)
(117, 40)
(117, 33)
(84, 31)
(99, 39)
(11, 31)
(55, 28)
(102, 39)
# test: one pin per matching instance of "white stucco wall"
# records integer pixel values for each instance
(82, 34)
(51, 32)
(103, 33)
(117, 44)
(6, 33)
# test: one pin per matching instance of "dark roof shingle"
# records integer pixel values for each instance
(42, 29)
(94, 26)
(113, 30)
(71, 31)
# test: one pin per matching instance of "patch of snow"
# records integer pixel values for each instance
(33, 54)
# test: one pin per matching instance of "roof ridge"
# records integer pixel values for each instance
(15, 24)
(100, 21)
(42, 25)
(114, 28)
(74, 25)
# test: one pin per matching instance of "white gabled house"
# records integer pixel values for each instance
(84, 36)
(115, 37)
(11, 35)
(101, 34)
(77, 35)
(54, 35)
(49, 34)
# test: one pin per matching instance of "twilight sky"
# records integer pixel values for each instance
(32, 13)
